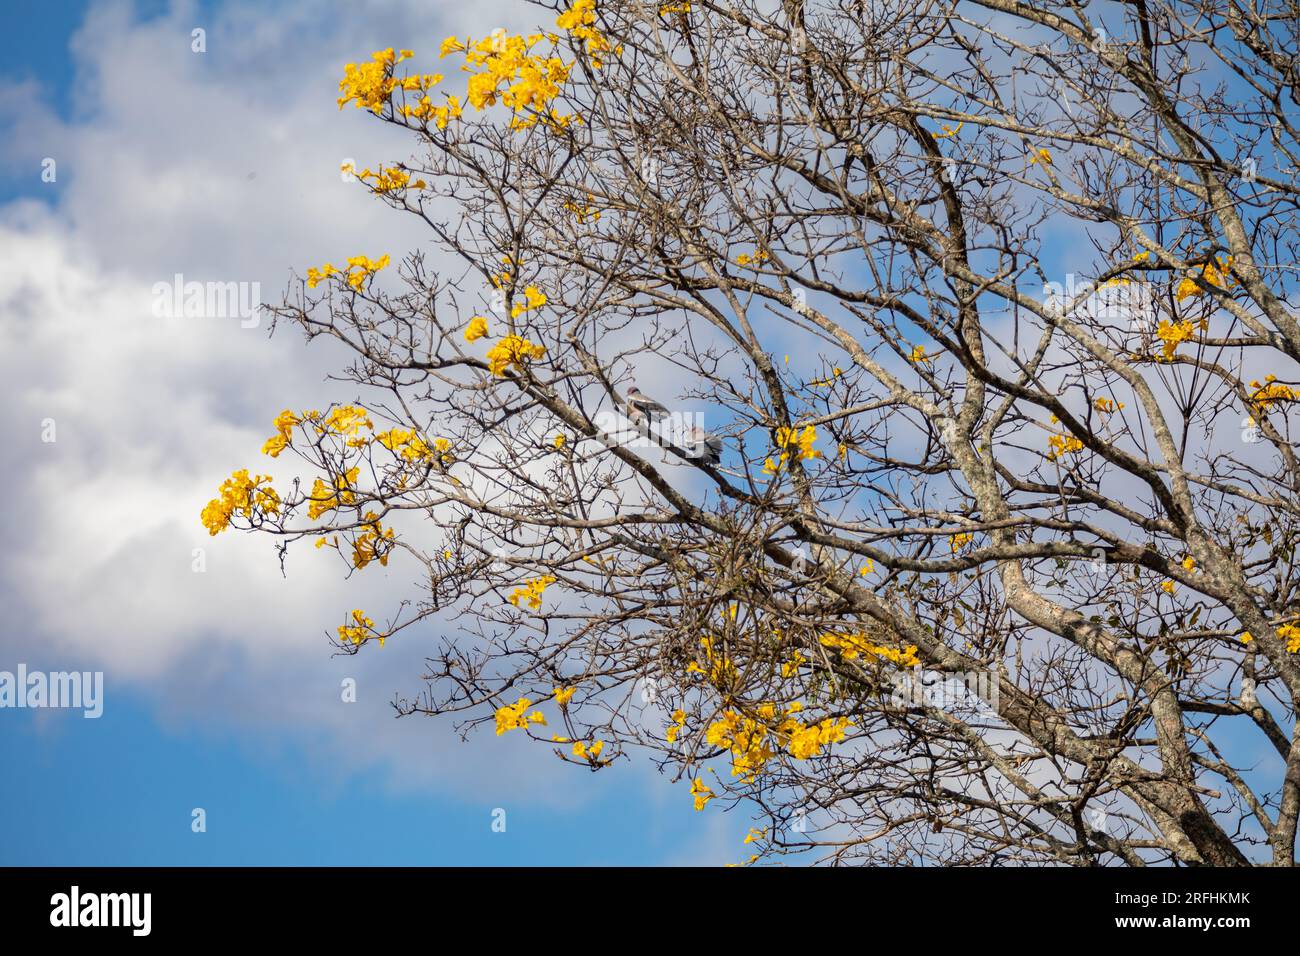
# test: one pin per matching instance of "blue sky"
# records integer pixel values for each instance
(221, 693)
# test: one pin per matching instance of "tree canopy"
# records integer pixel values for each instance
(956, 521)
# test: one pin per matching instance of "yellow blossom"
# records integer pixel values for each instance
(513, 717)
(242, 495)
(1174, 334)
(852, 645)
(532, 592)
(701, 792)
(477, 328)
(534, 299)
(513, 350)
(1060, 445)
(360, 630)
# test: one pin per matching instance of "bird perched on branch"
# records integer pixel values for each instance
(705, 446)
(642, 408)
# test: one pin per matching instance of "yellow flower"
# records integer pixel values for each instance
(958, 541)
(370, 84)
(563, 695)
(701, 792)
(851, 645)
(360, 630)
(390, 181)
(373, 543)
(532, 592)
(1059, 445)
(559, 441)
(1214, 273)
(316, 276)
(590, 754)
(919, 357)
(800, 440)
(513, 350)
(513, 717)
(325, 498)
(361, 268)
(1106, 405)
(675, 728)
(534, 299)
(1291, 634)
(1174, 334)
(1168, 586)
(1271, 392)
(791, 667)
(346, 420)
(1247, 637)
(1189, 563)
(240, 494)
(450, 45)
(477, 328)
(1043, 156)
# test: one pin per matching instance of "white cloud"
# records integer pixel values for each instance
(223, 167)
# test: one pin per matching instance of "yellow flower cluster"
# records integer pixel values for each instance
(1174, 334)
(584, 212)
(1107, 406)
(534, 298)
(424, 109)
(791, 667)
(407, 444)
(513, 350)
(745, 259)
(1059, 445)
(477, 329)
(346, 420)
(505, 69)
(360, 268)
(563, 695)
(240, 494)
(1291, 634)
(701, 792)
(851, 646)
(675, 728)
(513, 717)
(792, 441)
(283, 437)
(1271, 392)
(580, 21)
(754, 741)
(590, 754)
(386, 181)
(532, 592)
(373, 543)
(958, 541)
(1214, 273)
(720, 670)
(360, 630)
(325, 498)
(369, 85)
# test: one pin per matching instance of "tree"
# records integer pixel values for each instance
(988, 305)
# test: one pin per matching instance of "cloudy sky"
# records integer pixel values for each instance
(127, 158)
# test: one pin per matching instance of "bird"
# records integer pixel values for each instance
(642, 407)
(705, 446)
